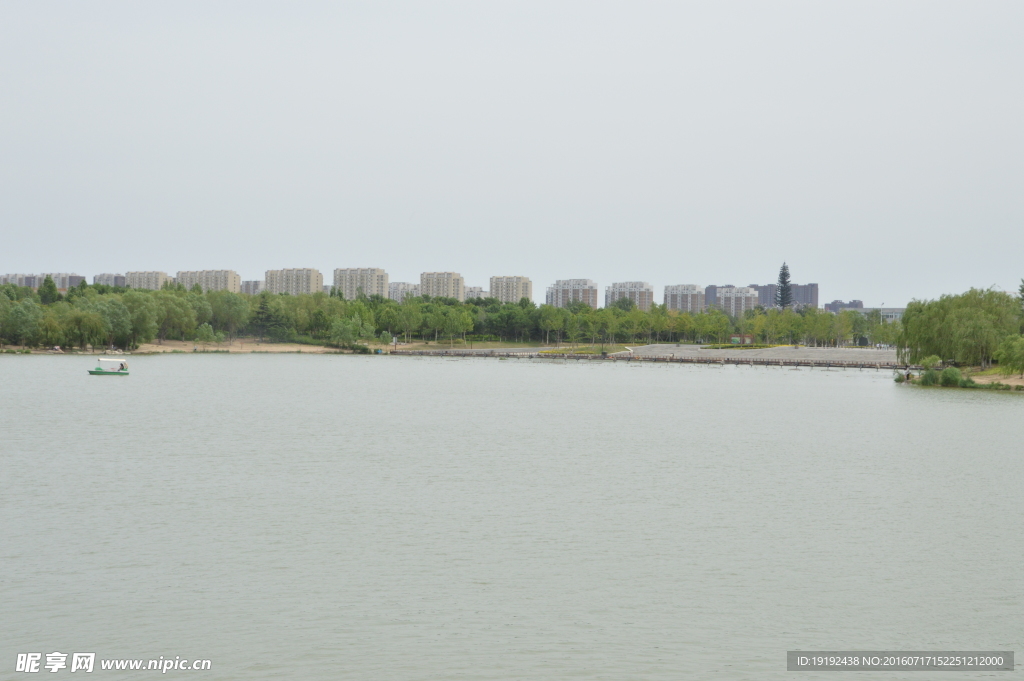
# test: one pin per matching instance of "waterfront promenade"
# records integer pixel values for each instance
(789, 355)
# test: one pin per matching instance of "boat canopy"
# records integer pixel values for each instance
(108, 364)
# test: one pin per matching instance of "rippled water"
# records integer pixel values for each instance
(339, 517)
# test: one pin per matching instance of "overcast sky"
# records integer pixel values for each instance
(874, 146)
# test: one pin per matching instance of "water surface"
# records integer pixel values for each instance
(340, 517)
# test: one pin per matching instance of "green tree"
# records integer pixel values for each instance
(343, 332)
(117, 320)
(387, 319)
(175, 317)
(22, 322)
(230, 311)
(409, 318)
(48, 292)
(784, 292)
(143, 310)
(85, 327)
(1020, 299)
(261, 317)
(205, 334)
(659, 320)
(966, 328)
(625, 304)
(606, 324)
(50, 331)
(1011, 355)
(550, 320)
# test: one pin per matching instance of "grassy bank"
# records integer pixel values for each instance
(972, 378)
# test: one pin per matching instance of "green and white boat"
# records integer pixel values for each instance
(110, 367)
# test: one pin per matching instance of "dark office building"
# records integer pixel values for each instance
(837, 305)
(766, 294)
(804, 295)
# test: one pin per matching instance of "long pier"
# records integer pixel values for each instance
(620, 357)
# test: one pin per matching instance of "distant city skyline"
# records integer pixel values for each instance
(375, 281)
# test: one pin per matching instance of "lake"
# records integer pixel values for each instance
(350, 517)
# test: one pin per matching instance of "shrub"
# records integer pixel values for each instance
(968, 383)
(899, 378)
(931, 362)
(930, 377)
(950, 377)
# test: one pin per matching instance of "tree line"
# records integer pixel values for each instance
(99, 315)
(971, 329)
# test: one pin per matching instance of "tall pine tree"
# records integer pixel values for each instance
(784, 293)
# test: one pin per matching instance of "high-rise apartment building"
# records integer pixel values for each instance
(767, 295)
(252, 287)
(294, 281)
(476, 292)
(805, 295)
(400, 290)
(443, 284)
(148, 280)
(565, 291)
(62, 280)
(511, 289)
(211, 280)
(735, 300)
(108, 279)
(711, 295)
(684, 298)
(371, 281)
(640, 292)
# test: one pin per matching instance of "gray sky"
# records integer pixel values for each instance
(874, 146)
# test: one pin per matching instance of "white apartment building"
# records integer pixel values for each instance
(252, 288)
(477, 292)
(640, 292)
(511, 289)
(294, 281)
(211, 280)
(109, 279)
(148, 280)
(443, 284)
(63, 280)
(400, 290)
(372, 281)
(735, 300)
(684, 298)
(565, 291)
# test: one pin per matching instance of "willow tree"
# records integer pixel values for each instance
(965, 329)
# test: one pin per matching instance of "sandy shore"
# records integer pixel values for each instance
(246, 345)
(997, 378)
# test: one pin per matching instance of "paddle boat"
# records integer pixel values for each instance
(110, 367)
